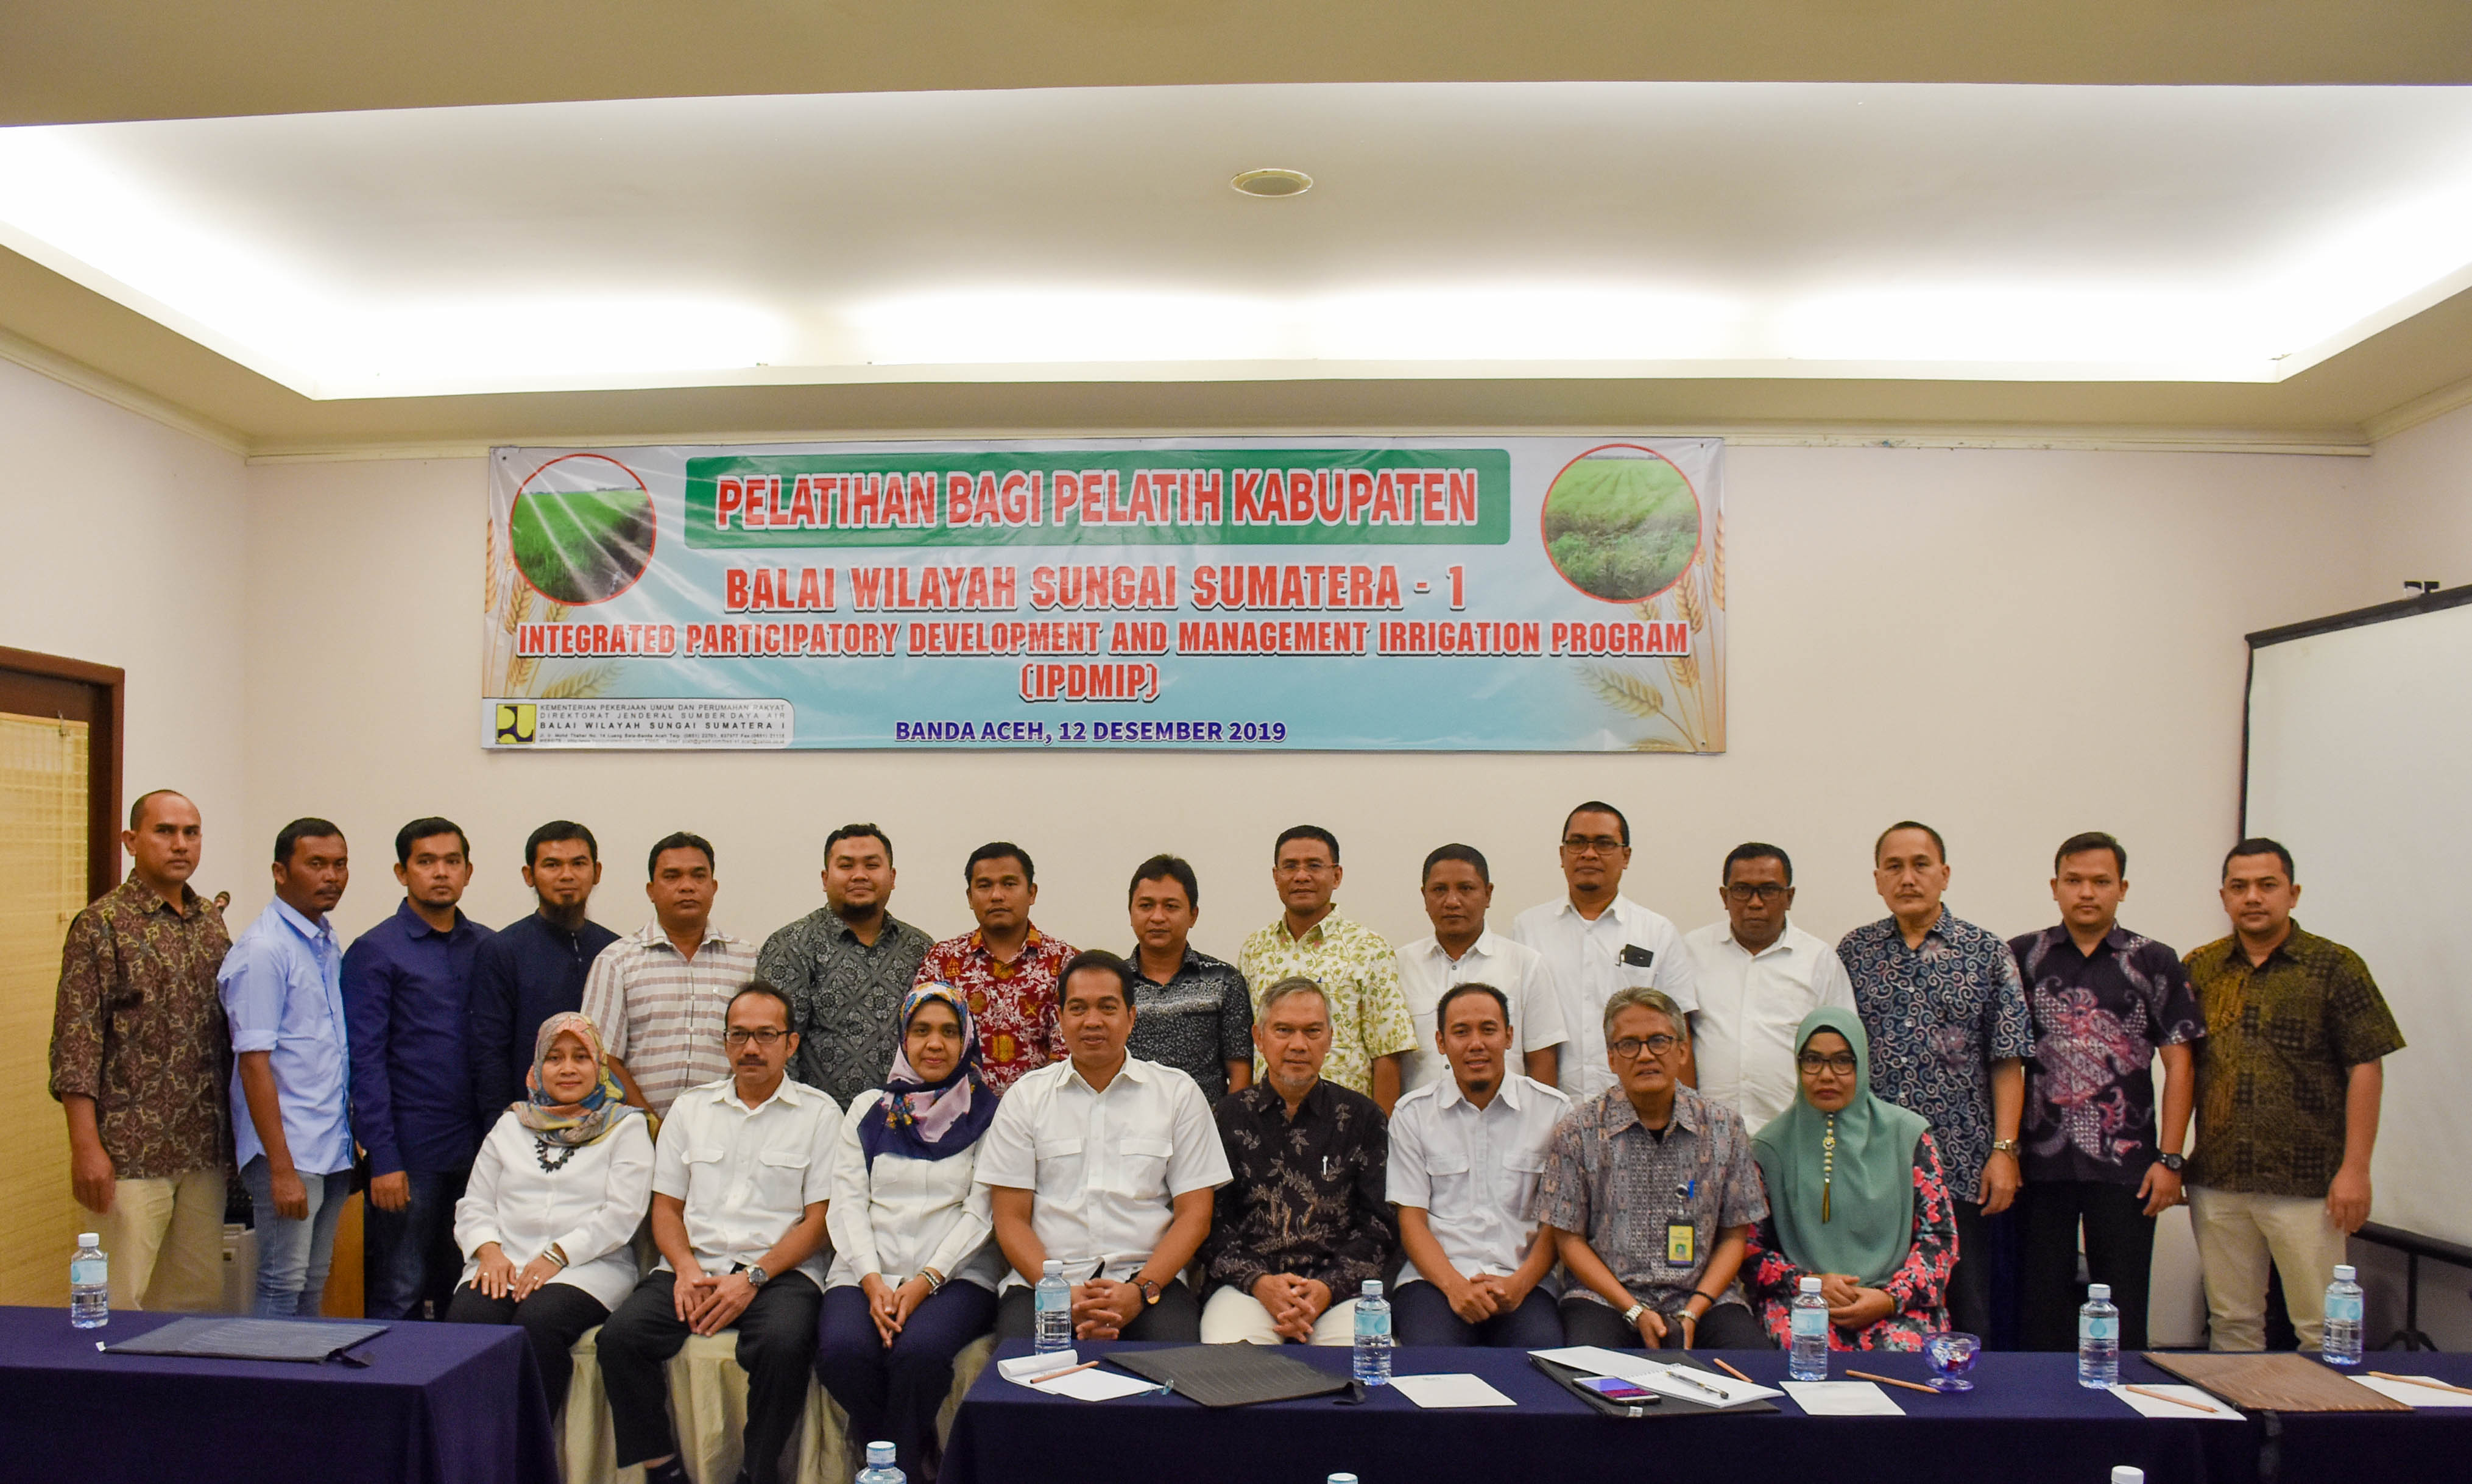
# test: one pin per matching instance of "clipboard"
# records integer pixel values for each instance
(1222, 1375)
(212, 1337)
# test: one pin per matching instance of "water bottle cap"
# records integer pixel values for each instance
(2125, 1475)
(1811, 1285)
(87, 1238)
(2098, 1292)
(1054, 1268)
(1343, 1478)
(1373, 1290)
(879, 1455)
(2344, 1272)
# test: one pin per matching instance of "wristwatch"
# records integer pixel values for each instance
(1149, 1289)
(2169, 1161)
(1631, 1315)
(757, 1276)
(2006, 1146)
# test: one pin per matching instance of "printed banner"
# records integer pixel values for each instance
(1518, 595)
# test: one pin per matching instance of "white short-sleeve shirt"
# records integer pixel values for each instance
(1104, 1168)
(746, 1175)
(1473, 1169)
(1590, 961)
(1519, 971)
(1742, 1034)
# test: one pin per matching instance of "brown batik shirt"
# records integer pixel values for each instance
(139, 1028)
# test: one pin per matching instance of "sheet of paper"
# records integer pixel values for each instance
(1597, 1360)
(2169, 1411)
(1456, 1389)
(2413, 1396)
(1095, 1385)
(1668, 1380)
(1843, 1398)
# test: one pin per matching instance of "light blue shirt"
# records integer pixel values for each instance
(283, 992)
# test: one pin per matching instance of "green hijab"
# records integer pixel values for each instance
(1866, 1191)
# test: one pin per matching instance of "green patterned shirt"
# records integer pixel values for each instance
(1359, 973)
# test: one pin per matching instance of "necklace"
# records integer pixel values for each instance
(1827, 1164)
(566, 1152)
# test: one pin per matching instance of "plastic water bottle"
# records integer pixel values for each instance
(879, 1467)
(1053, 1303)
(1372, 1334)
(2342, 1344)
(89, 1284)
(1809, 1361)
(2098, 1339)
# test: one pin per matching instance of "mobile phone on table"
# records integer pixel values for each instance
(1613, 1388)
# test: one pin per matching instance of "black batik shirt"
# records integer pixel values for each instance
(1197, 1023)
(1307, 1196)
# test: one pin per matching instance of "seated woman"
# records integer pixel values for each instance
(1855, 1200)
(915, 1267)
(556, 1191)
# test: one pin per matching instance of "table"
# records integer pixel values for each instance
(2027, 1422)
(438, 1404)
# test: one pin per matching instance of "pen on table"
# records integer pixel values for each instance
(2164, 1396)
(2415, 1381)
(1682, 1374)
(1891, 1380)
(1730, 1371)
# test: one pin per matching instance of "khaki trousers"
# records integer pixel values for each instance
(165, 1239)
(2238, 1233)
(1232, 1316)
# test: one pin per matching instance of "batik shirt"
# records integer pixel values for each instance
(845, 995)
(1359, 974)
(1631, 1191)
(1014, 1004)
(138, 1027)
(1197, 1023)
(1307, 1198)
(2090, 1088)
(1938, 1016)
(2282, 1039)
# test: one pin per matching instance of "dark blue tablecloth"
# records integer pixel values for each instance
(437, 1404)
(2027, 1422)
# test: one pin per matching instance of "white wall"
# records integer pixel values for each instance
(123, 546)
(2422, 478)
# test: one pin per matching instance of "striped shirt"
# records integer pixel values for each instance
(662, 1015)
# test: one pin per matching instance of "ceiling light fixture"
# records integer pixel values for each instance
(1272, 183)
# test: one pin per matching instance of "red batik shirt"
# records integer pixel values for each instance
(1014, 1004)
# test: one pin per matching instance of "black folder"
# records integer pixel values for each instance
(1229, 1374)
(1568, 1379)
(223, 1338)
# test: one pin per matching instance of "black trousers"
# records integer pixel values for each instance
(2119, 1251)
(1726, 1327)
(553, 1319)
(777, 1345)
(1969, 1282)
(1419, 1315)
(1176, 1316)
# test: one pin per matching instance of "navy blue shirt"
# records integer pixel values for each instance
(530, 971)
(406, 988)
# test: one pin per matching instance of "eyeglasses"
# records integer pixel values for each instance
(1630, 1047)
(1842, 1063)
(740, 1036)
(1755, 891)
(1593, 845)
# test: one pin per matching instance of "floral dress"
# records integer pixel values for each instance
(1919, 1286)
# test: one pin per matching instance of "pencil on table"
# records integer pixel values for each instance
(1891, 1380)
(2164, 1396)
(1730, 1371)
(2415, 1381)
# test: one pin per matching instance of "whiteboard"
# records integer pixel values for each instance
(2360, 761)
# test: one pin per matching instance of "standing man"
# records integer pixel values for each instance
(1192, 1010)
(1465, 1153)
(1458, 889)
(659, 995)
(1597, 941)
(1303, 1224)
(846, 967)
(1758, 975)
(1007, 967)
(1370, 1026)
(741, 1178)
(1946, 1014)
(2104, 1001)
(2289, 1080)
(407, 999)
(283, 992)
(139, 1058)
(1106, 1163)
(534, 968)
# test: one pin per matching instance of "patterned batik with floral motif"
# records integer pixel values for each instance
(1918, 1287)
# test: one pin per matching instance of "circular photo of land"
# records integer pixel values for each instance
(582, 529)
(1621, 523)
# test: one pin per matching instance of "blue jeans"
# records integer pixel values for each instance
(1419, 1315)
(292, 1255)
(409, 1255)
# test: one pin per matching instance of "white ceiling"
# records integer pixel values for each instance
(1456, 229)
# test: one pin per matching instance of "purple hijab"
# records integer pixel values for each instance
(930, 1120)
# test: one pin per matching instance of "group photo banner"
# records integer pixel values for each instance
(1467, 594)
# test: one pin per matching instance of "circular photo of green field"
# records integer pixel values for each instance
(1621, 523)
(582, 530)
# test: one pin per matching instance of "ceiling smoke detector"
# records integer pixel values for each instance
(1274, 182)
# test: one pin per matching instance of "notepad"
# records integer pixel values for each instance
(2413, 1396)
(1449, 1390)
(1658, 1375)
(1094, 1385)
(2171, 1411)
(1844, 1398)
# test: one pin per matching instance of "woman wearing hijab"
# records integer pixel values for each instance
(1855, 1200)
(556, 1192)
(914, 1271)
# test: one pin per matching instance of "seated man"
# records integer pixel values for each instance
(1106, 1162)
(1466, 1151)
(740, 1179)
(1304, 1224)
(1650, 1190)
